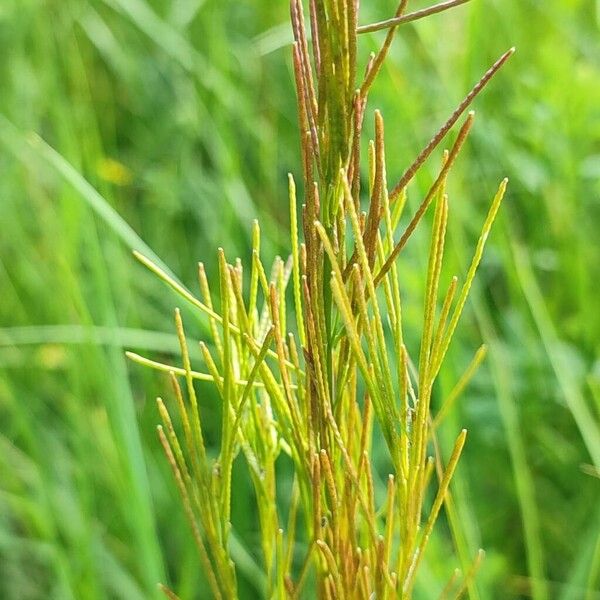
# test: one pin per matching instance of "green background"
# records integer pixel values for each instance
(181, 114)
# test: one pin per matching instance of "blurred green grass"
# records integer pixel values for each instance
(181, 114)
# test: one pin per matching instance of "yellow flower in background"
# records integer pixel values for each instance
(114, 172)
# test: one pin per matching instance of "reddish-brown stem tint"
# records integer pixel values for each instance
(413, 16)
(380, 56)
(462, 135)
(437, 138)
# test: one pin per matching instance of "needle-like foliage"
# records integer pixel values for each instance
(317, 388)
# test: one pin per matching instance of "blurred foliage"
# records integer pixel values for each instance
(181, 113)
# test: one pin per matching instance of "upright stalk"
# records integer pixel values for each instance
(317, 393)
